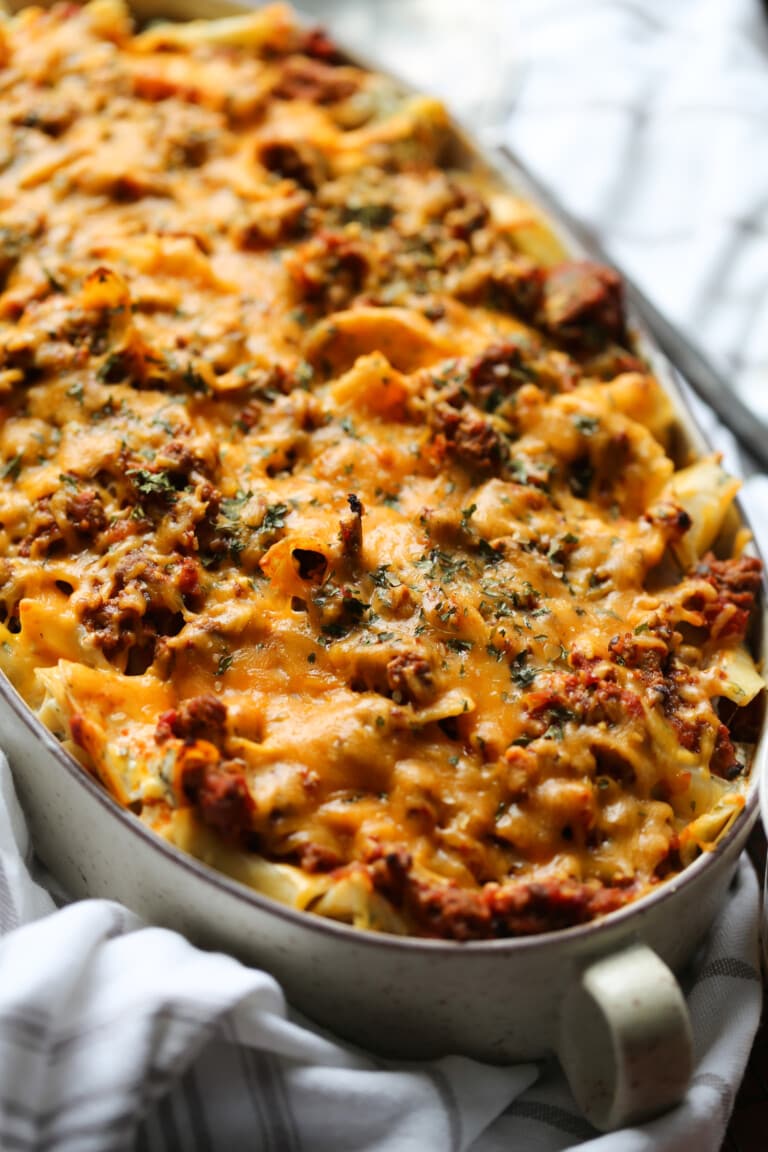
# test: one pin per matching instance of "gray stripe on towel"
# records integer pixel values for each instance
(553, 1116)
(730, 966)
(9, 916)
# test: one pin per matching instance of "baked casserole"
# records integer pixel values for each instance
(346, 536)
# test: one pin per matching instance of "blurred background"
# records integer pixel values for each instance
(647, 118)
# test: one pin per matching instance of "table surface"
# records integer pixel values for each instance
(747, 1129)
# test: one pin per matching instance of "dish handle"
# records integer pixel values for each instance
(625, 1038)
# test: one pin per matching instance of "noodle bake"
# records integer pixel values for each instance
(346, 536)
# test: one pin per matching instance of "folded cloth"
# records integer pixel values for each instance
(114, 1035)
(646, 119)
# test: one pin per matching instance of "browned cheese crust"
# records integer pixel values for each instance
(340, 534)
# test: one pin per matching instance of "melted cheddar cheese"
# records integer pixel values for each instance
(341, 531)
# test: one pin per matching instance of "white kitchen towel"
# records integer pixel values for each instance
(648, 118)
(114, 1035)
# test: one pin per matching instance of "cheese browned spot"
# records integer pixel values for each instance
(340, 533)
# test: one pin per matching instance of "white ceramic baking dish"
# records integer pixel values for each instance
(602, 996)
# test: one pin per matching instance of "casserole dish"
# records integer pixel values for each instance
(628, 1025)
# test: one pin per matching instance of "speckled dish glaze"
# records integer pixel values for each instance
(602, 995)
(763, 790)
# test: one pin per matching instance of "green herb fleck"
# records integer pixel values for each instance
(587, 425)
(554, 731)
(10, 471)
(457, 645)
(54, 284)
(304, 373)
(112, 369)
(194, 381)
(488, 553)
(152, 483)
(381, 577)
(274, 518)
(368, 215)
(520, 672)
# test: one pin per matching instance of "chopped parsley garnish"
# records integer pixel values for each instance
(274, 518)
(457, 645)
(232, 506)
(11, 469)
(525, 472)
(382, 578)
(53, 283)
(304, 373)
(554, 731)
(152, 483)
(391, 499)
(112, 369)
(521, 673)
(488, 553)
(587, 425)
(340, 610)
(109, 409)
(369, 215)
(194, 381)
(436, 562)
